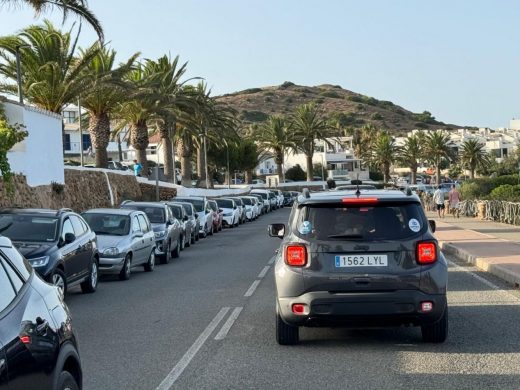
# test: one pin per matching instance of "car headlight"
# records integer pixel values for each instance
(160, 234)
(39, 261)
(111, 252)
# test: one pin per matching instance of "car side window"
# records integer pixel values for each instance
(8, 293)
(79, 230)
(15, 278)
(19, 262)
(144, 224)
(135, 225)
(67, 228)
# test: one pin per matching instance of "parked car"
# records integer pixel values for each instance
(203, 210)
(262, 207)
(167, 229)
(265, 198)
(125, 240)
(116, 165)
(193, 218)
(368, 260)
(249, 204)
(218, 215)
(273, 200)
(241, 208)
(38, 348)
(288, 198)
(58, 243)
(258, 181)
(279, 198)
(187, 227)
(231, 216)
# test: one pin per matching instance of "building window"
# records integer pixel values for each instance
(86, 141)
(66, 142)
(70, 116)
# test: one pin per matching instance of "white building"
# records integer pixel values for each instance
(336, 156)
(39, 157)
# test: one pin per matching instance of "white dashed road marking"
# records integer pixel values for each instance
(228, 324)
(252, 288)
(263, 272)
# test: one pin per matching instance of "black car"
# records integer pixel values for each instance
(38, 348)
(59, 245)
(364, 258)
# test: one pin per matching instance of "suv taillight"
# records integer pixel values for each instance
(296, 255)
(426, 252)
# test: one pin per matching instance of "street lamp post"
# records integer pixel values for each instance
(206, 161)
(80, 134)
(19, 71)
(228, 173)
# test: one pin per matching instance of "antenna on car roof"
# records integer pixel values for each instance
(358, 192)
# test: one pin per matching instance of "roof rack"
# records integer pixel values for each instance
(64, 210)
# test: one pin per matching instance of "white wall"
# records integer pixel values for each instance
(40, 156)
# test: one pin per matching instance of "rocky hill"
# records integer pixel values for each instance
(351, 109)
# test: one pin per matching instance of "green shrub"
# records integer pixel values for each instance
(251, 90)
(376, 116)
(355, 98)
(254, 116)
(482, 188)
(288, 99)
(331, 94)
(268, 99)
(296, 173)
(506, 192)
(286, 84)
(506, 179)
(269, 93)
(421, 125)
(319, 100)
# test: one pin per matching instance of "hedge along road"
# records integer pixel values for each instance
(206, 321)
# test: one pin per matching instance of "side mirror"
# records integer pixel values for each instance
(196, 216)
(69, 237)
(220, 210)
(185, 218)
(234, 207)
(433, 225)
(207, 211)
(276, 230)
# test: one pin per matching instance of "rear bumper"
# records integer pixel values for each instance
(379, 309)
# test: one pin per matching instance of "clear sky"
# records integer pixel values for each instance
(459, 59)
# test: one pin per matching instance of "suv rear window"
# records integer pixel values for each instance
(34, 228)
(154, 214)
(366, 223)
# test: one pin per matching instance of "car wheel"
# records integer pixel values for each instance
(59, 280)
(187, 243)
(150, 265)
(204, 233)
(90, 285)
(177, 251)
(126, 270)
(165, 259)
(193, 238)
(438, 331)
(286, 334)
(211, 230)
(67, 382)
(183, 242)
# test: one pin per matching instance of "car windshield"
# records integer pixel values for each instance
(108, 224)
(263, 195)
(213, 206)
(177, 213)
(197, 203)
(33, 228)
(154, 214)
(225, 203)
(188, 208)
(238, 201)
(246, 201)
(380, 222)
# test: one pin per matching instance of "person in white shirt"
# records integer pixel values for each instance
(438, 199)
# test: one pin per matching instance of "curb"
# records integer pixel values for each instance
(481, 262)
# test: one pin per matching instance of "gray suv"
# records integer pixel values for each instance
(365, 258)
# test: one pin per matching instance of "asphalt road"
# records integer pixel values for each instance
(206, 321)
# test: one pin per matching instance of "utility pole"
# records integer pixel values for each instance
(80, 133)
(19, 71)
(206, 161)
(228, 171)
(157, 192)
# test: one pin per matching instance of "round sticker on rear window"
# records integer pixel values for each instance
(414, 225)
(305, 227)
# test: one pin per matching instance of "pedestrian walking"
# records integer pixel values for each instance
(454, 199)
(438, 199)
(137, 168)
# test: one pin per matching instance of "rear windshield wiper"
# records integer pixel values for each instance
(346, 236)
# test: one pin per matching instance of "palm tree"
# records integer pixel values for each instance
(363, 140)
(384, 154)
(77, 7)
(275, 135)
(104, 97)
(473, 156)
(410, 154)
(309, 125)
(52, 76)
(437, 146)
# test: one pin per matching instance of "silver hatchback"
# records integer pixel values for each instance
(125, 240)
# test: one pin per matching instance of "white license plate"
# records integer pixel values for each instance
(361, 261)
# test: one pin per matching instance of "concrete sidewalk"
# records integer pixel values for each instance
(492, 247)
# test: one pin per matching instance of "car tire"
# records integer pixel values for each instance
(165, 259)
(150, 265)
(438, 331)
(210, 233)
(66, 381)
(187, 243)
(193, 239)
(127, 267)
(197, 236)
(286, 334)
(59, 280)
(177, 251)
(183, 242)
(90, 284)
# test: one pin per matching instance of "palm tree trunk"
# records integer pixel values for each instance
(413, 175)
(308, 160)
(167, 149)
(386, 172)
(437, 173)
(139, 140)
(119, 148)
(185, 151)
(279, 164)
(249, 176)
(472, 173)
(99, 130)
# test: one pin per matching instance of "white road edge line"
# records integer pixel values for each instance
(252, 289)
(181, 365)
(483, 280)
(228, 324)
(272, 260)
(264, 271)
